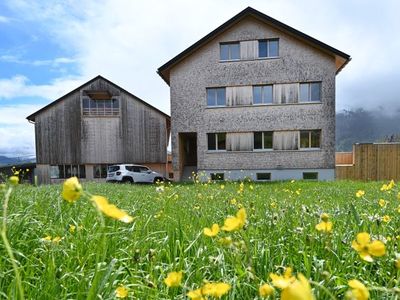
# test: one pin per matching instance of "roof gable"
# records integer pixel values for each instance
(341, 58)
(32, 116)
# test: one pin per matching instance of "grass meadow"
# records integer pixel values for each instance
(56, 244)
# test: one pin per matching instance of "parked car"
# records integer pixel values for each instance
(132, 173)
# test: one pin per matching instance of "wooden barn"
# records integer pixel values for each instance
(96, 125)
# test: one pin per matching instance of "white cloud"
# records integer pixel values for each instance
(4, 19)
(20, 86)
(17, 135)
(56, 62)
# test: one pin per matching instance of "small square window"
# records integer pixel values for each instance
(262, 94)
(264, 176)
(216, 97)
(310, 92)
(230, 51)
(217, 176)
(310, 175)
(268, 48)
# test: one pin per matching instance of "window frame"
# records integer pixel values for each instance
(215, 90)
(216, 134)
(309, 139)
(229, 51)
(263, 141)
(311, 173)
(262, 86)
(264, 173)
(104, 111)
(62, 171)
(268, 41)
(217, 176)
(101, 168)
(309, 92)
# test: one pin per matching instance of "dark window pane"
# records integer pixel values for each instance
(211, 141)
(316, 91)
(258, 140)
(268, 139)
(93, 106)
(68, 171)
(82, 171)
(136, 169)
(217, 176)
(262, 49)
(257, 94)
(221, 141)
(235, 51)
(221, 96)
(75, 170)
(85, 102)
(115, 103)
(267, 94)
(211, 95)
(103, 171)
(263, 176)
(100, 104)
(304, 139)
(97, 171)
(113, 168)
(315, 139)
(61, 171)
(54, 172)
(107, 104)
(272, 48)
(310, 175)
(224, 52)
(304, 92)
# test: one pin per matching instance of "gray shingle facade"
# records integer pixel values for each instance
(299, 61)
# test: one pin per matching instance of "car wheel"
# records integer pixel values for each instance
(127, 180)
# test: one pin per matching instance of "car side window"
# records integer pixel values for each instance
(143, 170)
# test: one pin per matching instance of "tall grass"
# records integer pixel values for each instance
(166, 235)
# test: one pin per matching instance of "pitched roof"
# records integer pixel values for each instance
(32, 116)
(341, 58)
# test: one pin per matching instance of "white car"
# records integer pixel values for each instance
(132, 173)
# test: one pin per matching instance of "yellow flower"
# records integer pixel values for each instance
(46, 238)
(360, 193)
(222, 186)
(121, 292)
(225, 241)
(72, 189)
(266, 290)
(300, 289)
(388, 187)
(72, 228)
(195, 295)
(111, 210)
(366, 248)
(213, 231)
(233, 201)
(397, 263)
(386, 219)
(325, 225)
(173, 279)
(216, 290)
(2, 186)
(57, 239)
(398, 195)
(284, 281)
(14, 180)
(273, 204)
(358, 291)
(382, 202)
(235, 223)
(251, 187)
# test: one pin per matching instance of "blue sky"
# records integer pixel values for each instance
(48, 50)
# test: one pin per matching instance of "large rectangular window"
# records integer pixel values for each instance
(268, 48)
(263, 140)
(216, 141)
(310, 139)
(262, 94)
(91, 107)
(216, 97)
(100, 171)
(310, 92)
(67, 171)
(230, 51)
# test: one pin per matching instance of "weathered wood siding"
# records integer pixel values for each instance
(138, 135)
(344, 158)
(372, 162)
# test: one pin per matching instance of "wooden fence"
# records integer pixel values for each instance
(369, 162)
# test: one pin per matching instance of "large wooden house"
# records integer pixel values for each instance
(96, 125)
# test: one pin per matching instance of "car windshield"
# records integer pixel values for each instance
(113, 168)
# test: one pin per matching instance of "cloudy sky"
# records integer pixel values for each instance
(48, 50)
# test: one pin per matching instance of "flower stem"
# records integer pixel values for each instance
(324, 289)
(8, 246)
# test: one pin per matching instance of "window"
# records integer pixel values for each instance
(263, 140)
(100, 171)
(91, 107)
(268, 48)
(264, 176)
(67, 171)
(310, 175)
(230, 51)
(262, 94)
(113, 168)
(217, 176)
(310, 92)
(171, 175)
(216, 141)
(310, 139)
(216, 97)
